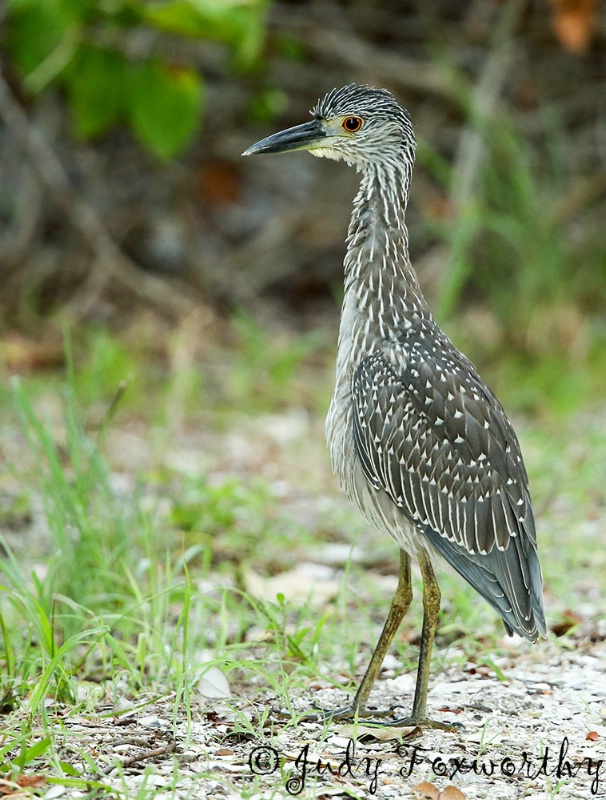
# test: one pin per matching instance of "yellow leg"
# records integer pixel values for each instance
(431, 609)
(399, 606)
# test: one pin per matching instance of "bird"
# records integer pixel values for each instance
(416, 438)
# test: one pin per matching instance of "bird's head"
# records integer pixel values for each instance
(358, 124)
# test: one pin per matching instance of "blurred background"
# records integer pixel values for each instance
(125, 205)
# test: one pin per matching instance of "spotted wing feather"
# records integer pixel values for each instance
(430, 434)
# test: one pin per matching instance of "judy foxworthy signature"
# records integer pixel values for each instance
(553, 762)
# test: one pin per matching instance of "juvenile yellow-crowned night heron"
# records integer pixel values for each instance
(417, 439)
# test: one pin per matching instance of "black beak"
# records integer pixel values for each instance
(301, 137)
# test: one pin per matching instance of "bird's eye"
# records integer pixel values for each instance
(352, 124)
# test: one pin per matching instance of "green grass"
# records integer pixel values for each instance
(132, 586)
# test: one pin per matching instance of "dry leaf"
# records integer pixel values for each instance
(568, 621)
(21, 354)
(440, 206)
(574, 22)
(13, 788)
(425, 790)
(372, 733)
(593, 736)
(31, 780)
(219, 183)
(451, 793)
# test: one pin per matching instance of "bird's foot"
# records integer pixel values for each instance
(348, 713)
(351, 713)
(421, 721)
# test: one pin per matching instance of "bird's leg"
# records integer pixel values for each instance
(431, 609)
(399, 606)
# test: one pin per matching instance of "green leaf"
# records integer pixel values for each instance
(97, 92)
(239, 23)
(181, 17)
(29, 754)
(165, 106)
(68, 769)
(43, 38)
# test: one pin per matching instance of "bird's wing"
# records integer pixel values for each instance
(429, 433)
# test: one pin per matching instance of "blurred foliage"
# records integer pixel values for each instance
(266, 369)
(235, 521)
(512, 250)
(84, 46)
(517, 254)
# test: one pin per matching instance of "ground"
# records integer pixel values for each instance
(525, 736)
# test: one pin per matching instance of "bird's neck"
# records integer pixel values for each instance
(379, 279)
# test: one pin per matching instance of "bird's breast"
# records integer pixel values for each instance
(359, 335)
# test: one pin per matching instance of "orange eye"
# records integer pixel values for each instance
(352, 124)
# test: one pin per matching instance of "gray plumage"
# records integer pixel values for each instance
(410, 416)
(417, 439)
